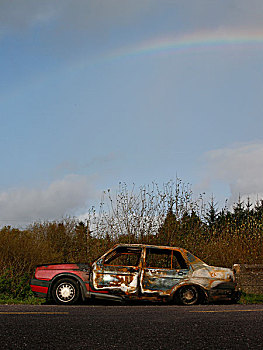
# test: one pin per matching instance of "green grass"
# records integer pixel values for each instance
(6, 300)
(251, 298)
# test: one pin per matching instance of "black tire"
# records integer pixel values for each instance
(65, 291)
(235, 297)
(188, 295)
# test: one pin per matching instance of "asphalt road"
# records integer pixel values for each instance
(131, 327)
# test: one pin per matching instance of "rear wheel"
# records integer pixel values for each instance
(65, 292)
(188, 295)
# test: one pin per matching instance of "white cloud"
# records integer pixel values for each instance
(241, 166)
(61, 198)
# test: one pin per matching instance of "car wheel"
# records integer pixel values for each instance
(188, 295)
(235, 297)
(65, 291)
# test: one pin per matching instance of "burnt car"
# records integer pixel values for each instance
(137, 272)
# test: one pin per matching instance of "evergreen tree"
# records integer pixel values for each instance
(258, 210)
(167, 233)
(239, 212)
(211, 214)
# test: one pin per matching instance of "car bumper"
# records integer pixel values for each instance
(39, 287)
(225, 292)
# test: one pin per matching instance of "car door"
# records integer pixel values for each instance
(163, 269)
(118, 270)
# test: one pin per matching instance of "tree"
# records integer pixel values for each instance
(167, 233)
(258, 210)
(82, 241)
(239, 212)
(211, 215)
(135, 215)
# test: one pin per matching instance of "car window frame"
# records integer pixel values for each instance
(114, 257)
(186, 267)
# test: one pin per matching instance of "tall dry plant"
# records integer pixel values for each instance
(136, 215)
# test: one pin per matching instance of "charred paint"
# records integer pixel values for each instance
(138, 271)
(116, 277)
(161, 281)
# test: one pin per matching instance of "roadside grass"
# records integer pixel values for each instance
(251, 298)
(31, 300)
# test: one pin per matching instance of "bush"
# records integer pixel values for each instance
(13, 287)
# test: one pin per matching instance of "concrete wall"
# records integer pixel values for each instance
(249, 278)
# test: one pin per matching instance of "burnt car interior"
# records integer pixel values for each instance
(124, 256)
(164, 259)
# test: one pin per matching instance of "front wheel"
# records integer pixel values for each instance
(188, 295)
(65, 292)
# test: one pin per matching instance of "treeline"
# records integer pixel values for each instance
(164, 216)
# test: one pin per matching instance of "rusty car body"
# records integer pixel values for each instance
(137, 272)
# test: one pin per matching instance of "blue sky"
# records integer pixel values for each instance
(97, 92)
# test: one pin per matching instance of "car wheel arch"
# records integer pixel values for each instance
(61, 276)
(202, 292)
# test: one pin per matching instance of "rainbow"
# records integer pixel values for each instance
(192, 41)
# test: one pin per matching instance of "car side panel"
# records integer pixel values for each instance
(45, 275)
(161, 281)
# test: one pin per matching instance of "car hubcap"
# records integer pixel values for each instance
(65, 292)
(189, 296)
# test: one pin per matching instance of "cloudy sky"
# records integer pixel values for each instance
(97, 92)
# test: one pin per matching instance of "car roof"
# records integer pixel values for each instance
(139, 245)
